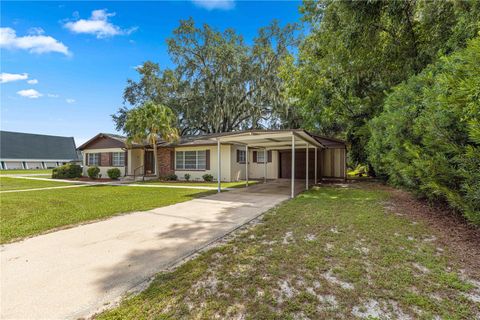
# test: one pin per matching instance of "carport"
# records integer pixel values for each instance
(280, 140)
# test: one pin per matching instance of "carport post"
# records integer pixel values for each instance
(293, 167)
(316, 151)
(306, 170)
(265, 165)
(246, 166)
(219, 178)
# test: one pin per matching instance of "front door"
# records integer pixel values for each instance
(149, 162)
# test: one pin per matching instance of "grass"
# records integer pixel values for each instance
(236, 184)
(26, 172)
(331, 253)
(19, 184)
(25, 214)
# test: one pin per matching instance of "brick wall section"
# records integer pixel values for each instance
(165, 161)
(105, 159)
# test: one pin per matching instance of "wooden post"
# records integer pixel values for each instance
(316, 164)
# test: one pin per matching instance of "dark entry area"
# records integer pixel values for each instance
(285, 165)
(149, 162)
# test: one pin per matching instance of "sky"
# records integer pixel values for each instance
(64, 65)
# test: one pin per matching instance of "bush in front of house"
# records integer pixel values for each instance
(114, 173)
(67, 171)
(187, 176)
(207, 177)
(171, 177)
(93, 172)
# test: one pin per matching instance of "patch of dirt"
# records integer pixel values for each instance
(451, 229)
(334, 280)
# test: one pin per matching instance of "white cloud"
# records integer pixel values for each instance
(30, 93)
(215, 4)
(33, 81)
(70, 101)
(52, 95)
(9, 77)
(33, 43)
(36, 31)
(98, 25)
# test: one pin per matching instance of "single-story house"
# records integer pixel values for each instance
(229, 156)
(20, 150)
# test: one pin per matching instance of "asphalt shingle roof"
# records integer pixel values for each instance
(18, 145)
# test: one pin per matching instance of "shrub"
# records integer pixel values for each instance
(69, 170)
(93, 172)
(114, 173)
(207, 177)
(427, 139)
(171, 177)
(187, 176)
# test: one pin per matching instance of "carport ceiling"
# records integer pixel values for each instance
(273, 139)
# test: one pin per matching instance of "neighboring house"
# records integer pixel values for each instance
(243, 154)
(35, 151)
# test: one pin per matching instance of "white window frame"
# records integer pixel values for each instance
(120, 161)
(261, 156)
(197, 165)
(242, 156)
(95, 156)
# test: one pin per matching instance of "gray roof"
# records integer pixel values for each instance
(18, 145)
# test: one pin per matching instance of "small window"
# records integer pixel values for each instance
(93, 159)
(118, 159)
(190, 160)
(261, 156)
(241, 156)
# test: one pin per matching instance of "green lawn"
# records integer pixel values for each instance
(18, 184)
(331, 253)
(237, 184)
(28, 213)
(26, 172)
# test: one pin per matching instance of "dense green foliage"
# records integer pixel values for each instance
(114, 173)
(428, 137)
(68, 170)
(219, 83)
(149, 122)
(358, 50)
(207, 177)
(93, 172)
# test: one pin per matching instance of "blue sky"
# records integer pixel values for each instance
(64, 65)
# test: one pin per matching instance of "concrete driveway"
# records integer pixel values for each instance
(75, 272)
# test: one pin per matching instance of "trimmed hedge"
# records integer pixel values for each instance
(114, 173)
(93, 172)
(67, 171)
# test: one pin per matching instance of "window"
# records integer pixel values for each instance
(261, 156)
(93, 159)
(118, 159)
(190, 160)
(241, 158)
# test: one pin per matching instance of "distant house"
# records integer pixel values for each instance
(35, 151)
(255, 154)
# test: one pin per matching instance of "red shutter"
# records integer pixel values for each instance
(269, 155)
(254, 156)
(110, 159)
(172, 160)
(207, 159)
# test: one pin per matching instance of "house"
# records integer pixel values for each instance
(230, 156)
(20, 150)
